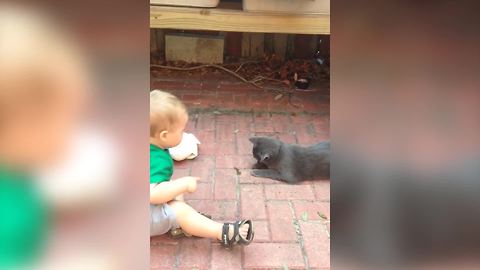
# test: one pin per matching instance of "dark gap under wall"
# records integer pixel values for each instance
(239, 45)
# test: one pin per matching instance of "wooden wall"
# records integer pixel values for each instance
(255, 45)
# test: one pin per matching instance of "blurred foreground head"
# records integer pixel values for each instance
(44, 90)
(43, 85)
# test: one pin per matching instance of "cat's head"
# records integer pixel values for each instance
(265, 149)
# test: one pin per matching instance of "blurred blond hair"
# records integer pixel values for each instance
(36, 57)
(165, 111)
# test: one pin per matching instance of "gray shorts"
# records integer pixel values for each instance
(162, 219)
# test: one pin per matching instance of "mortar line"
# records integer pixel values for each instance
(267, 212)
(214, 180)
(298, 231)
(177, 253)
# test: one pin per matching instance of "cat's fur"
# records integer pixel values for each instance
(289, 162)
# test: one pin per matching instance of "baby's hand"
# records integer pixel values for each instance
(191, 183)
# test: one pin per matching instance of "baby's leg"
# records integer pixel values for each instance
(198, 225)
(194, 223)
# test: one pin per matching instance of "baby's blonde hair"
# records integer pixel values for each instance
(35, 54)
(165, 111)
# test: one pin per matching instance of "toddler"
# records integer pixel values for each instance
(42, 90)
(168, 118)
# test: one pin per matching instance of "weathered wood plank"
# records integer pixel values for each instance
(253, 45)
(280, 45)
(153, 40)
(237, 20)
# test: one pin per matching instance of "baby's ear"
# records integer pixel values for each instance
(253, 140)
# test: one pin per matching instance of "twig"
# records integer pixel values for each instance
(244, 63)
(259, 78)
(233, 73)
(236, 75)
(202, 66)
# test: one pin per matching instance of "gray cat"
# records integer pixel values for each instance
(289, 162)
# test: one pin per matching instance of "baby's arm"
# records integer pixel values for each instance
(167, 191)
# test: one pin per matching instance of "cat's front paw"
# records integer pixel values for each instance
(259, 165)
(255, 172)
(268, 173)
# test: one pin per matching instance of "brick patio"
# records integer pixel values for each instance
(289, 232)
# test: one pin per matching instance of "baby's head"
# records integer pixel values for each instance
(168, 119)
(42, 88)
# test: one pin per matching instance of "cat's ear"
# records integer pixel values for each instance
(253, 140)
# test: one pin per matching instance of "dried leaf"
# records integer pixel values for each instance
(279, 96)
(237, 170)
(305, 216)
(322, 216)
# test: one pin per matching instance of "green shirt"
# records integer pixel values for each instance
(161, 164)
(23, 219)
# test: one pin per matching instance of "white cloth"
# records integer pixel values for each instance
(187, 149)
(88, 173)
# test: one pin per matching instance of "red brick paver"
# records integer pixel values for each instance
(253, 201)
(221, 93)
(273, 256)
(162, 256)
(289, 228)
(226, 259)
(317, 244)
(280, 217)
